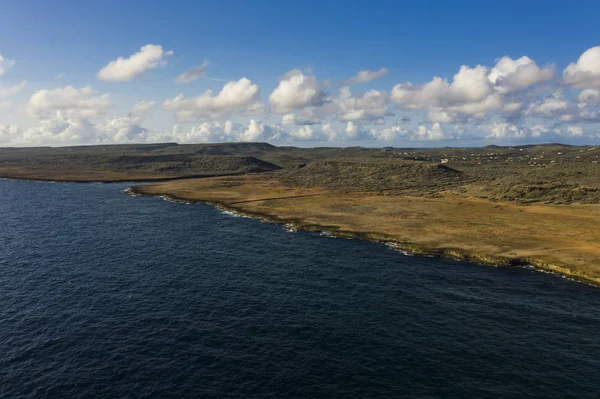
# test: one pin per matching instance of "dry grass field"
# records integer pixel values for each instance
(532, 204)
(560, 238)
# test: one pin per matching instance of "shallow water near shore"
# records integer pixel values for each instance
(104, 294)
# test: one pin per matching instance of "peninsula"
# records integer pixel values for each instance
(522, 205)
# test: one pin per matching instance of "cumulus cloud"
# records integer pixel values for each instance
(511, 76)
(12, 90)
(192, 74)
(9, 134)
(585, 73)
(121, 130)
(505, 130)
(256, 108)
(293, 119)
(296, 91)
(233, 96)
(434, 133)
(125, 69)
(389, 133)
(255, 131)
(142, 108)
(550, 107)
(408, 96)
(309, 133)
(473, 93)
(506, 101)
(556, 107)
(367, 76)
(209, 132)
(589, 96)
(369, 106)
(5, 64)
(61, 130)
(73, 103)
(422, 133)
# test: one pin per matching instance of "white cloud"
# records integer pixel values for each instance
(5, 64)
(305, 133)
(502, 131)
(209, 132)
(367, 76)
(204, 133)
(355, 132)
(9, 134)
(71, 102)
(408, 96)
(559, 109)
(441, 116)
(351, 129)
(505, 131)
(469, 85)
(61, 130)
(589, 96)
(309, 133)
(585, 73)
(498, 103)
(513, 106)
(421, 133)
(293, 119)
(142, 108)
(233, 96)
(296, 91)
(125, 69)
(435, 133)
(390, 133)
(574, 131)
(329, 131)
(370, 106)
(12, 90)
(256, 108)
(511, 76)
(474, 93)
(122, 130)
(480, 109)
(550, 107)
(193, 74)
(254, 132)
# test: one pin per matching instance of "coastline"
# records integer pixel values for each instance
(94, 176)
(405, 247)
(401, 244)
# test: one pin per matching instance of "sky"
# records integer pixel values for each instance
(305, 73)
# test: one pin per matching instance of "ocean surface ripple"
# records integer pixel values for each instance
(107, 295)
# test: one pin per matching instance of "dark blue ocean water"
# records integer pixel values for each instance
(107, 295)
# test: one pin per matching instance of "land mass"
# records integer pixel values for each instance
(524, 205)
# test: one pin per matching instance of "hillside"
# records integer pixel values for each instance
(375, 175)
(552, 173)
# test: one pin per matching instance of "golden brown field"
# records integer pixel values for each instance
(560, 238)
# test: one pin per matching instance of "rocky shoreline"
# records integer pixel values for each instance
(404, 247)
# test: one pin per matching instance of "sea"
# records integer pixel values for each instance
(107, 295)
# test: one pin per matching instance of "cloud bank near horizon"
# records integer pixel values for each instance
(513, 100)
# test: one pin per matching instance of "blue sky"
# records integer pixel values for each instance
(59, 48)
